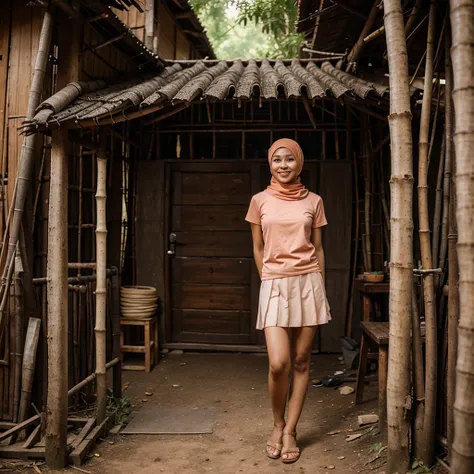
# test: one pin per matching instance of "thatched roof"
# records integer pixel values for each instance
(182, 82)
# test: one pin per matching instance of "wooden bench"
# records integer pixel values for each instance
(374, 336)
(150, 347)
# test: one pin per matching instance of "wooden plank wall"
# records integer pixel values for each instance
(103, 63)
(134, 19)
(182, 45)
(166, 33)
(150, 253)
(335, 187)
(4, 55)
(172, 42)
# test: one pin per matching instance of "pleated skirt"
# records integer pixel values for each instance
(294, 301)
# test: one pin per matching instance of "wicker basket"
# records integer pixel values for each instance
(138, 302)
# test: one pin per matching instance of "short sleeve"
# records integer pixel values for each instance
(319, 219)
(253, 214)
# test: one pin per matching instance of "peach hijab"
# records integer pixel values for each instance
(292, 191)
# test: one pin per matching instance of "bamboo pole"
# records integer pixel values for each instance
(57, 402)
(401, 277)
(413, 17)
(448, 110)
(116, 351)
(453, 266)
(101, 286)
(438, 201)
(18, 330)
(28, 367)
(462, 55)
(367, 196)
(453, 310)
(358, 48)
(27, 154)
(418, 379)
(429, 424)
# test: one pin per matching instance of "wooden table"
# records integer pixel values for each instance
(368, 291)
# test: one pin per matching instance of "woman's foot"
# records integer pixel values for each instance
(274, 444)
(290, 452)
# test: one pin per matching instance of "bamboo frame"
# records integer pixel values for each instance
(56, 416)
(28, 367)
(101, 287)
(431, 343)
(418, 380)
(453, 266)
(358, 48)
(401, 287)
(462, 54)
(18, 330)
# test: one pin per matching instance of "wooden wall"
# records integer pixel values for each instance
(172, 42)
(134, 19)
(167, 28)
(103, 63)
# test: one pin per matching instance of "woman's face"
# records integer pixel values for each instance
(283, 166)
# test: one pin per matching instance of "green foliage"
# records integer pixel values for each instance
(119, 408)
(418, 467)
(250, 28)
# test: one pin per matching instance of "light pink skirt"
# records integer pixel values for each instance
(294, 301)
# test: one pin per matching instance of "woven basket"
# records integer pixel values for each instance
(138, 302)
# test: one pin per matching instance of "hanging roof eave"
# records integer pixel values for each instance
(182, 83)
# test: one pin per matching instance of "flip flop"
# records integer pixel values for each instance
(277, 446)
(290, 451)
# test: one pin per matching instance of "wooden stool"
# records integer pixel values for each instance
(374, 336)
(150, 347)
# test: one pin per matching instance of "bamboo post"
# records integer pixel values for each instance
(367, 197)
(418, 380)
(28, 367)
(429, 424)
(438, 201)
(316, 27)
(448, 110)
(57, 401)
(101, 286)
(401, 266)
(413, 17)
(357, 50)
(453, 310)
(27, 154)
(453, 266)
(462, 56)
(18, 330)
(116, 353)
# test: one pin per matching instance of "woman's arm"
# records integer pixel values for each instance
(316, 240)
(257, 238)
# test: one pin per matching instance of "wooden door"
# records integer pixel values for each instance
(212, 277)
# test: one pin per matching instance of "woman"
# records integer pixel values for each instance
(286, 221)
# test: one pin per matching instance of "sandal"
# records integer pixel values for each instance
(290, 451)
(272, 445)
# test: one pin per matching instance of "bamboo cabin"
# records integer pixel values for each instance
(144, 151)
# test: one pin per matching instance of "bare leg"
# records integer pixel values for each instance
(278, 347)
(302, 343)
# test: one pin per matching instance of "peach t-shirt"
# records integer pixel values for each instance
(286, 228)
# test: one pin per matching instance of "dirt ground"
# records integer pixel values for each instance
(236, 384)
